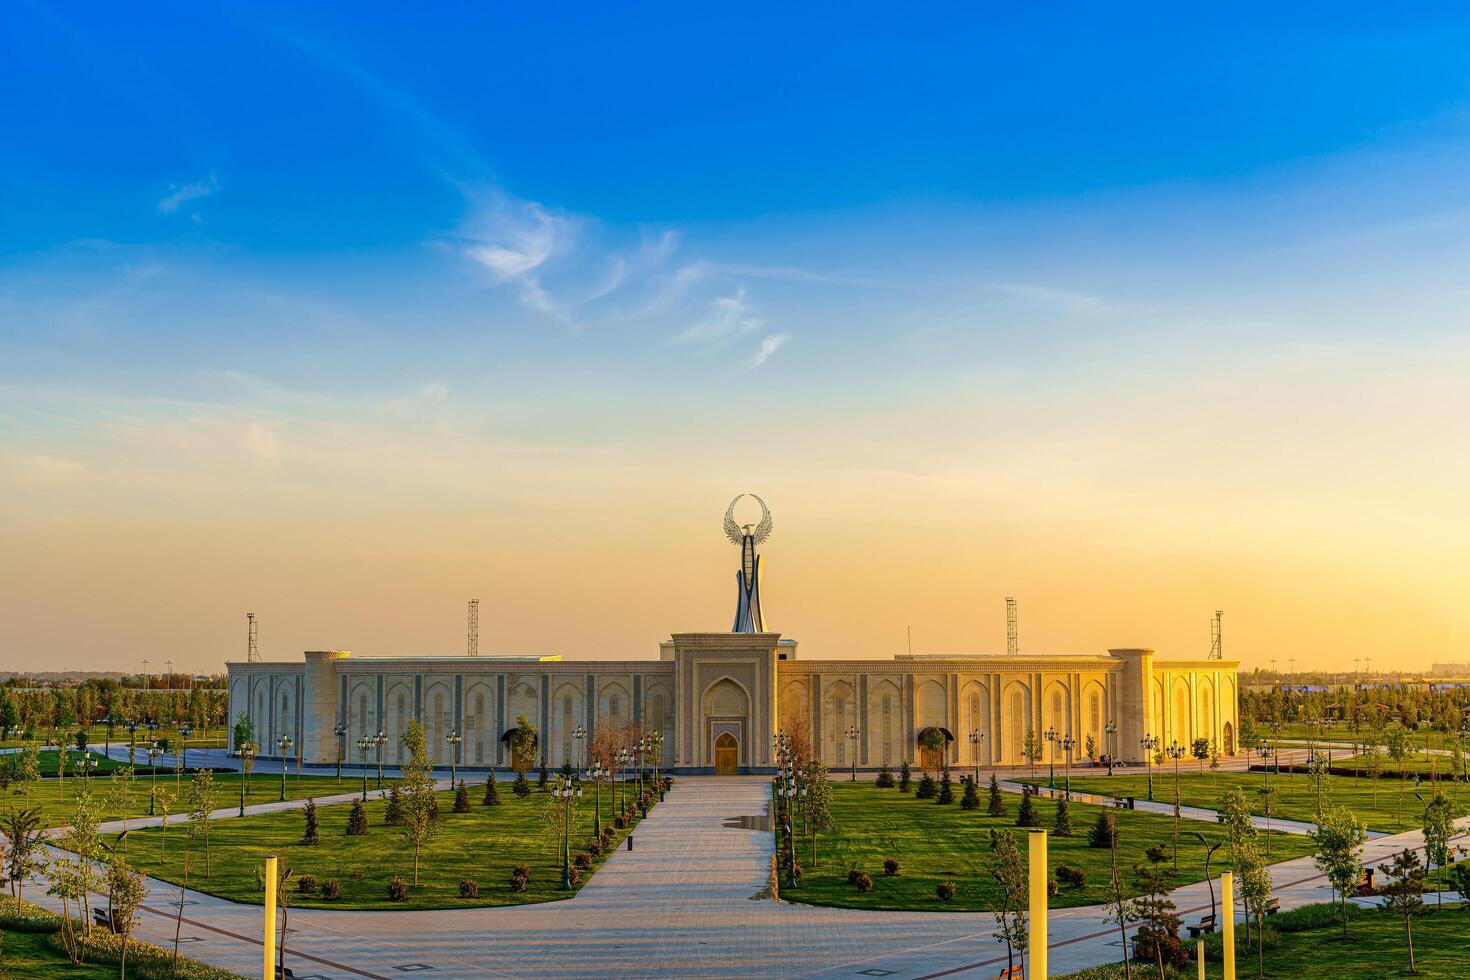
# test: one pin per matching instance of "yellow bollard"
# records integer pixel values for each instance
(1227, 906)
(1199, 957)
(1038, 875)
(270, 919)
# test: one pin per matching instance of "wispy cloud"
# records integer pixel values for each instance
(261, 442)
(727, 316)
(768, 347)
(181, 195)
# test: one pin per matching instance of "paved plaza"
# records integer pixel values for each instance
(689, 900)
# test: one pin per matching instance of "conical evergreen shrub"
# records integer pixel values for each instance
(492, 794)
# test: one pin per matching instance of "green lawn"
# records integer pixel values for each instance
(1386, 804)
(28, 954)
(1418, 762)
(484, 845)
(97, 737)
(57, 797)
(935, 843)
(1375, 947)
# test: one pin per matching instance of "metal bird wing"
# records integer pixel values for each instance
(763, 529)
(732, 530)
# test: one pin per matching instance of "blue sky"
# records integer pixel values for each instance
(1059, 279)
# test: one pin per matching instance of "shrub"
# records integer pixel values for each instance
(885, 778)
(519, 876)
(583, 861)
(905, 778)
(462, 798)
(595, 848)
(331, 888)
(492, 794)
(1063, 827)
(890, 867)
(1156, 854)
(434, 806)
(945, 890)
(542, 776)
(397, 889)
(393, 815)
(1026, 816)
(928, 788)
(357, 824)
(306, 884)
(971, 799)
(521, 787)
(619, 822)
(312, 834)
(863, 883)
(1052, 888)
(1072, 877)
(574, 875)
(852, 875)
(469, 888)
(1101, 834)
(946, 787)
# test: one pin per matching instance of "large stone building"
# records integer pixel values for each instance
(719, 698)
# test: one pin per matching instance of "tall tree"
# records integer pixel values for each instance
(1403, 893)
(816, 805)
(22, 829)
(419, 804)
(1439, 830)
(1009, 872)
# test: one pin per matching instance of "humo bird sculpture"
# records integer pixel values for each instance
(748, 618)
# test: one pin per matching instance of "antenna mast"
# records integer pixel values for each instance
(472, 637)
(1217, 650)
(1013, 643)
(252, 640)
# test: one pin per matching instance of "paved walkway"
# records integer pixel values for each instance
(687, 901)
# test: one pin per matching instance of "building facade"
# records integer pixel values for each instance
(720, 698)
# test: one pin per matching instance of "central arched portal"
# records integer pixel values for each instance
(727, 755)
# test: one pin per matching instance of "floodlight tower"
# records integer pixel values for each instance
(1217, 648)
(472, 637)
(252, 640)
(1013, 643)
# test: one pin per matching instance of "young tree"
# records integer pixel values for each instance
(1157, 938)
(125, 894)
(934, 743)
(1339, 840)
(1267, 793)
(83, 875)
(312, 834)
(165, 801)
(1032, 749)
(28, 770)
(971, 799)
(1404, 893)
(357, 821)
(1063, 826)
(1372, 758)
(905, 777)
(816, 805)
(120, 797)
(393, 812)
(419, 803)
(22, 828)
(996, 806)
(1439, 830)
(492, 795)
(461, 798)
(1026, 816)
(1009, 872)
(1089, 748)
(522, 747)
(203, 801)
(1255, 893)
(1107, 829)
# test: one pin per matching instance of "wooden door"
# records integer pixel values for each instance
(727, 755)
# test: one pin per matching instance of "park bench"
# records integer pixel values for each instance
(103, 918)
(1205, 924)
(1273, 906)
(1011, 973)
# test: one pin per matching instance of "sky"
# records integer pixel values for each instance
(346, 313)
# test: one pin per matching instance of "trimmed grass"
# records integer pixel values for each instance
(57, 798)
(1389, 806)
(28, 954)
(935, 843)
(483, 845)
(1418, 762)
(1375, 947)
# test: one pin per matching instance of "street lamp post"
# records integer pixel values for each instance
(1068, 743)
(86, 765)
(453, 739)
(245, 751)
(283, 743)
(566, 791)
(1175, 751)
(363, 744)
(184, 732)
(622, 761)
(380, 740)
(132, 727)
(976, 737)
(655, 745)
(1051, 737)
(580, 734)
(340, 730)
(153, 755)
(789, 790)
(107, 737)
(597, 772)
(1150, 744)
(1111, 728)
(852, 735)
